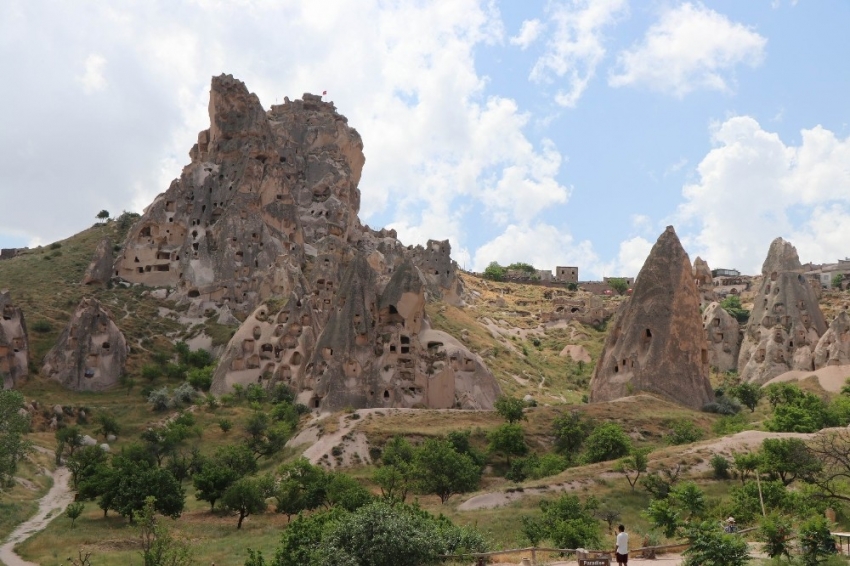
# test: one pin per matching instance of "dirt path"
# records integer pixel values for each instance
(49, 507)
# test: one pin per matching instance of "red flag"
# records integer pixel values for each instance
(324, 92)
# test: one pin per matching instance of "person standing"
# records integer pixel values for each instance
(622, 550)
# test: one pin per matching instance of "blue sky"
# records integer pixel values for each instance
(554, 132)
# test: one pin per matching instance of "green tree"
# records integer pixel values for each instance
(220, 472)
(690, 498)
(68, 439)
(344, 491)
(748, 394)
(710, 546)
(633, 466)
(508, 440)
(732, 305)
(606, 442)
(265, 437)
(745, 463)
(159, 547)
(816, 540)
(132, 481)
(246, 496)
(789, 459)
(837, 279)
(618, 284)
(570, 430)
(494, 272)
(380, 534)
(301, 538)
(86, 463)
(441, 470)
(510, 408)
(683, 432)
(107, 424)
(13, 426)
(664, 516)
(103, 215)
(305, 482)
(74, 510)
(571, 523)
(776, 533)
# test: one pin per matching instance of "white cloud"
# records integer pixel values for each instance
(529, 31)
(753, 187)
(691, 47)
(631, 256)
(575, 47)
(404, 74)
(542, 245)
(92, 79)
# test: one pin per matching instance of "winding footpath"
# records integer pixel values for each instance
(49, 507)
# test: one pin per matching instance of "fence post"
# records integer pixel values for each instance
(534, 556)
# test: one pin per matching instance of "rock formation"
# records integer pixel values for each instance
(91, 351)
(704, 282)
(786, 322)
(833, 348)
(722, 333)
(14, 345)
(267, 209)
(657, 343)
(376, 350)
(99, 270)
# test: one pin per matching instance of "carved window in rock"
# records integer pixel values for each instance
(405, 344)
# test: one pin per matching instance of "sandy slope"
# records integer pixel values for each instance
(831, 378)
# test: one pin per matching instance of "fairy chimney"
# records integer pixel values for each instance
(14, 343)
(657, 343)
(786, 322)
(91, 352)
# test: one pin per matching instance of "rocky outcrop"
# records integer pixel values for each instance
(375, 350)
(704, 282)
(267, 211)
(91, 352)
(786, 322)
(99, 271)
(723, 336)
(657, 343)
(833, 348)
(14, 344)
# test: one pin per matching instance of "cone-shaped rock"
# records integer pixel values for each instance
(833, 348)
(722, 332)
(14, 345)
(91, 352)
(99, 270)
(786, 322)
(658, 344)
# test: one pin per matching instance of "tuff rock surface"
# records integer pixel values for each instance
(14, 343)
(833, 348)
(704, 282)
(786, 322)
(722, 333)
(99, 270)
(657, 343)
(91, 352)
(263, 226)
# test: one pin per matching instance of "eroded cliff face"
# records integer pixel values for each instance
(266, 213)
(657, 343)
(14, 343)
(722, 332)
(91, 352)
(833, 348)
(786, 322)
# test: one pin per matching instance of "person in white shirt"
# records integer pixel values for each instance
(622, 550)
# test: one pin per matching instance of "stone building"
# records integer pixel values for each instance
(566, 274)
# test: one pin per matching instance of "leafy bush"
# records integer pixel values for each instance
(732, 305)
(720, 467)
(723, 406)
(41, 326)
(184, 394)
(160, 399)
(606, 442)
(710, 546)
(816, 541)
(494, 272)
(683, 432)
(775, 531)
(200, 378)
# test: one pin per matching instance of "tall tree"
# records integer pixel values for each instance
(13, 426)
(441, 470)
